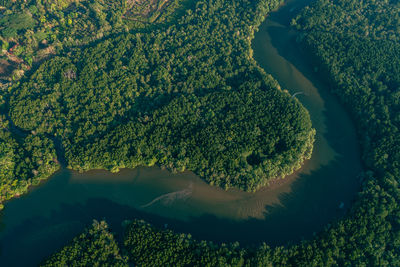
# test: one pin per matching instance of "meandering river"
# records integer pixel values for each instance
(35, 225)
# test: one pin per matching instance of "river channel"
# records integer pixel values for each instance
(35, 225)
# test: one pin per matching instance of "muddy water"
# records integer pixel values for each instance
(37, 224)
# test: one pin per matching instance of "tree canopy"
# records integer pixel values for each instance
(96, 246)
(189, 96)
(183, 71)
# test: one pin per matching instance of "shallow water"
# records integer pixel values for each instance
(37, 224)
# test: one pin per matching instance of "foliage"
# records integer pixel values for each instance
(151, 11)
(229, 138)
(43, 28)
(188, 97)
(375, 20)
(363, 70)
(24, 161)
(94, 247)
(149, 246)
(18, 23)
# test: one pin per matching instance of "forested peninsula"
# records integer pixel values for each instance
(203, 63)
(188, 96)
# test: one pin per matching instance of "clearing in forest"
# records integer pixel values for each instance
(145, 10)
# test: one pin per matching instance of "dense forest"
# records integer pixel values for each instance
(186, 97)
(32, 31)
(24, 160)
(354, 44)
(139, 94)
(190, 132)
(144, 245)
(94, 247)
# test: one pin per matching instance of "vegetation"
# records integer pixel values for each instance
(95, 247)
(24, 161)
(149, 246)
(201, 63)
(356, 45)
(151, 11)
(191, 132)
(364, 72)
(187, 97)
(34, 30)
